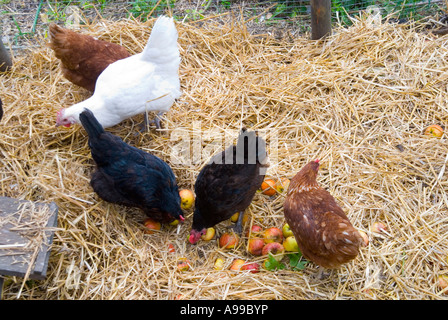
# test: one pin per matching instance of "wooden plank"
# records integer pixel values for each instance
(15, 255)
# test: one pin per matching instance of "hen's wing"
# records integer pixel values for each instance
(104, 186)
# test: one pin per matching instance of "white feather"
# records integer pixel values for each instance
(148, 81)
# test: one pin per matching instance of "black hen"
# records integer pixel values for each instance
(228, 183)
(128, 176)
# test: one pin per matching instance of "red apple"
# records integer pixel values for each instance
(253, 267)
(228, 241)
(255, 246)
(276, 249)
(171, 248)
(254, 231)
(273, 234)
(151, 225)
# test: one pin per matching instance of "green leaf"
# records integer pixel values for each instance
(272, 264)
(296, 261)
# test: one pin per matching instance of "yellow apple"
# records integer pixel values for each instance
(186, 198)
(290, 244)
(209, 234)
(219, 264)
(234, 218)
(286, 230)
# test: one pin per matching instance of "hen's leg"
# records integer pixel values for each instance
(238, 227)
(155, 122)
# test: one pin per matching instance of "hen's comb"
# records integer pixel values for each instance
(317, 160)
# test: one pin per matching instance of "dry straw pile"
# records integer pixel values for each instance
(359, 101)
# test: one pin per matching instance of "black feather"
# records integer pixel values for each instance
(228, 183)
(129, 176)
(1, 109)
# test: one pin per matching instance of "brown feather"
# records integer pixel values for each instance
(83, 57)
(322, 229)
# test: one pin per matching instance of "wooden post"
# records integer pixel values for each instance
(320, 19)
(5, 60)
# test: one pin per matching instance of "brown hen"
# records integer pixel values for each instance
(322, 230)
(83, 57)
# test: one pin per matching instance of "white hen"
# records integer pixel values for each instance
(148, 81)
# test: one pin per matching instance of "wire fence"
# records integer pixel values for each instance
(21, 19)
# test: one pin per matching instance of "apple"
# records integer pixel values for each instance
(237, 264)
(219, 264)
(379, 227)
(253, 267)
(365, 237)
(434, 130)
(183, 264)
(268, 187)
(234, 218)
(174, 223)
(151, 225)
(228, 241)
(282, 185)
(290, 244)
(209, 234)
(286, 230)
(273, 234)
(186, 198)
(276, 249)
(254, 231)
(255, 246)
(442, 282)
(171, 248)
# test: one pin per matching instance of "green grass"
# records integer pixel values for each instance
(55, 10)
(142, 9)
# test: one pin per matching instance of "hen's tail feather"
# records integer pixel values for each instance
(90, 123)
(162, 43)
(57, 34)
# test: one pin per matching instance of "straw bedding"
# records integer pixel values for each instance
(358, 101)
